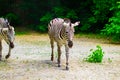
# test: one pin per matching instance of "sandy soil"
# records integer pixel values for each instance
(30, 60)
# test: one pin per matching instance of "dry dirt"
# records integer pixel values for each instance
(30, 60)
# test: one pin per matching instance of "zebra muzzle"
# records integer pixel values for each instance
(11, 45)
(70, 44)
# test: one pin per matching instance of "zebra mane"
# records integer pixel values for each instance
(66, 20)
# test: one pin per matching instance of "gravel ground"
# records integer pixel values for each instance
(30, 60)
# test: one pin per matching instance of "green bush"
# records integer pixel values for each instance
(97, 15)
(13, 18)
(44, 20)
(96, 55)
(60, 12)
(112, 29)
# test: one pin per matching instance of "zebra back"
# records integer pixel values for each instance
(55, 27)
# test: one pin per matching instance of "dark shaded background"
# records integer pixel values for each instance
(36, 14)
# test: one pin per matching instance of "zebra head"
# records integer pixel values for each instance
(8, 33)
(11, 36)
(69, 30)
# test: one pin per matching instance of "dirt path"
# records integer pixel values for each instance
(30, 60)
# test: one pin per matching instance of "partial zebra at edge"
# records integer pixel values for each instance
(7, 33)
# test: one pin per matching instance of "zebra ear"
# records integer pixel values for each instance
(8, 24)
(76, 23)
(9, 27)
(66, 24)
(6, 21)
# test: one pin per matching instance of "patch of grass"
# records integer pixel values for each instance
(56, 54)
(96, 55)
(23, 31)
(17, 57)
(27, 69)
(4, 66)
(41, 43)
(109, 60)
(90, 35)
(25, 61)
(99, 37)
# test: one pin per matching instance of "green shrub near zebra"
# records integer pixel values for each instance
(96, 56)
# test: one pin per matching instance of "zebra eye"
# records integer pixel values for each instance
(66, 32)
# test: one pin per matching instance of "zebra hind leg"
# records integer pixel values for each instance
(52, 47)
(59, 55)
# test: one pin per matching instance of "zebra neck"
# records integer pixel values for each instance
(62, 33)
(3, 36)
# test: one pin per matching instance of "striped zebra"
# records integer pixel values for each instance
(7, 33)
(61, 31)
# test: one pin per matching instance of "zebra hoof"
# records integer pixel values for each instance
(52, 59)
(67, 68)
(59, 65)
(7, 56)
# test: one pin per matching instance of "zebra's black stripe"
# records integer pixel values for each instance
(50, 24)
(61, 34)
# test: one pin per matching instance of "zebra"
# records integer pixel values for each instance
(61, 31)
(8, 34)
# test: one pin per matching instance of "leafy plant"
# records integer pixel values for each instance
(13, 18)
(60, 12)
(44, 22)
(96, 55)
(112, 29)
(109, 60)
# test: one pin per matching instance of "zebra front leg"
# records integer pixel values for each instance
(0, 50)
(59, 55)
(67, 57)
(8, 55)
(52, 47)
